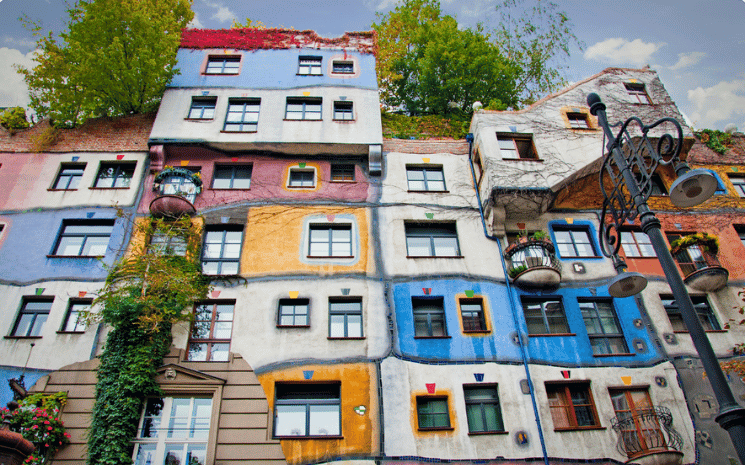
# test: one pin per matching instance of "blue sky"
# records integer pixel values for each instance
(697, 46)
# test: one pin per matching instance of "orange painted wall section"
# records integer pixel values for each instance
(360, 432)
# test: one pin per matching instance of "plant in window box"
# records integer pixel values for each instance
(540, 236)
(705, 241)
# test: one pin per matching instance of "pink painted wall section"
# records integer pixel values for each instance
(268, 178)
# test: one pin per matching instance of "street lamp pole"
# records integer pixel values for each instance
(628, 167)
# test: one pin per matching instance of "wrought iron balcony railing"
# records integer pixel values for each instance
(532, 254)
(646, 431)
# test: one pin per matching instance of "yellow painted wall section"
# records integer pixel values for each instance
(423, 433)
(360, 432)
(275, 240)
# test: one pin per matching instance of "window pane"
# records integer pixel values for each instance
(324, 420)
(69, 246)
(336, 326)
(446, 246)
(355, 326)
(418, 246)
(290, 420)
(198, 352)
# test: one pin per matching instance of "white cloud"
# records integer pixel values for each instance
(723, 102)
(380, 5)
(688, 59)
(620, 51)
(223, 13)
(13, 92)
(195, 23)
(19, 42)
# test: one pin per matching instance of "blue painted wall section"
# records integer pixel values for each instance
(30, 376)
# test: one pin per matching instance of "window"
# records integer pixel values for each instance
(72, 323)
(307, 410)
(33, 315)
(210, 334)
(573, 242)
(173, 430)
(113, 175)
(739, 184)
(303, 109)
(425, 178)
(429, 317)
(545, 316)
(309, 66)
(603, 328)
(636, 244)
(431, 240)
(482, 409)
(243, 115)
(514, 147)
(202, 107)
(432, 412)
(293, 312)
(69, 176)
(222, 251)
(302, 178)
(640, 431)
(232, 177)
(341, 173)
(578, 120)
(740, 232)
(638, 92)
(345, 318)
(166, 244)
(572, 406)
(330, 240)
(343, 111)
(223, 65)
(342, 67)
(82, 238)
(703, 311)
(690, 258)
(472, 315)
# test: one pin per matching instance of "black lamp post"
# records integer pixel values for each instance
(626, 184)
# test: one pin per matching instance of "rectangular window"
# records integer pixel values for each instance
(115, 175)
(202, 107)
(482, 409)
(432, 413)
(472, 315)
(342, 67)
(307, 410)
(738, 182)
(72, 323)
(167, 244)
(578, 120)
(309, 66)
(330, 240)
(545, 316)
(636, 244)
(573, 242)
(222, 251)
(83, 238)
(640, 431)
(345, 318)
(638, 92)
(572, 406)
(173, 430)
(223, 65)
(429, 317)
(431, 240)
(232, 177)
(293, 312)
(343, 111)
(703, 311)
(34, 313)
(342, 172)
(514, 147)
(603, 328)
(425, 178)
(69, 176)
(690, 258)
(302, 178)
(211, 331)
(308, 109)
(243, 115)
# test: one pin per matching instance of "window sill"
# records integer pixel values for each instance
(637, 258)
(308, 437)
(552, 335)
(439, 428)
(22, 337)
(301, 187)
(428, 192)
(293, 326)
(623, 354)
(220, 74)
(199, 119)
(75, 256)
(70, 332)
(343, 181)
(523, 159)
(580, 428)
(302, 119)
(681, 331)
(308, 74)
(570, 257)
(486, 433)
(60, 190)
(238, 132)
(432, 337)
(330, 338)
(435, 256)
(330, 256)
(108, 188)
(477, 331)
(344, 120)
(217, 276)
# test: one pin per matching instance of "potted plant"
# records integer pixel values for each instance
(516, 270)
(705, 241)
(540, 236)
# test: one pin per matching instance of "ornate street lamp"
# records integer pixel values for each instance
(626, 184)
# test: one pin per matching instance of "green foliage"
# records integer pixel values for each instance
(513, 272)
(539, 235)
(716, 140)
(424, 127)
(705, 241)
(115, 58)
(14, 118)
(250, 24)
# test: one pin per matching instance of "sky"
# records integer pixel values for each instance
(696, 46)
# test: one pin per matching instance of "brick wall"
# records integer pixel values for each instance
(458, 147)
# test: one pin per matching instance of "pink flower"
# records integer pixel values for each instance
(46, 422)
(49, 428)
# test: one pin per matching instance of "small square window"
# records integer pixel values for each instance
(603, 327)
(223, 65)
(578, 120)
(573, 242)
(303, 178)
(293, 312)
(703, 311)
(115, 175)
(545, 316)
(342, 172)
(345, 318)
(242, 116)
(431, 240)
(221, 253)
(342, 67)
(472, 315)
(232, 177)
(309, 66)
(72, 322)
(307, 410)
(308, 109)
(211, 331)
(425, 178)
(738, 182)
(516, 147)
(84, 238)
(429, 317)
(34, 313)
(432, 412)
(202, 107)
(482, 409)
(572, 406)
(69, 176)
(636, 244)
(334, 240)
(638, 92)
(343, 111)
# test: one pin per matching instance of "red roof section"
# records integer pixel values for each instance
(267, 39)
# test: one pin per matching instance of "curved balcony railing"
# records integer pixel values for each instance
(701, 268)
(177, 189)
(533, 263)
(646, 432)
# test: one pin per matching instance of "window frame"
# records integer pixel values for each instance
(292, 183)
(738, 182)
(707, 318)
(345, 67)
(416, 169)
(428, 401)
(211, 340)
(250, 110)
(294, 303)
(635, 245)
(314, 396)
(61, 235)
(78, 327)
(342, 172)
(166, 244)
(221, 260)
(315, 63)
(429, 307)
(35, 314)
(304, 112)
(72, 178)
(569, 407)
(121, 169)
(483, 405)
(575, 117)
(548, 327)
(432, 230)
(233, 175)
(481, 314)
(346, 313)
(638, 90)
(603, 335)
(528, 150)
(203, 104)
(572, 230)
(343, 111)
(330, 227)
(224, 59)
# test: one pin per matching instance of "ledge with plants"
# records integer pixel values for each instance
(524, 241)
(705, 241)
(37, 419)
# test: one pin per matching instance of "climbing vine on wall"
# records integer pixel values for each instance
(716, 140)
(38, 420)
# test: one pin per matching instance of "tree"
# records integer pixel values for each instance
(115, 58)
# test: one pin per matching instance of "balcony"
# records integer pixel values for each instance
(647, 437)
(533, 264)
(177, 189)
(696, 255)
